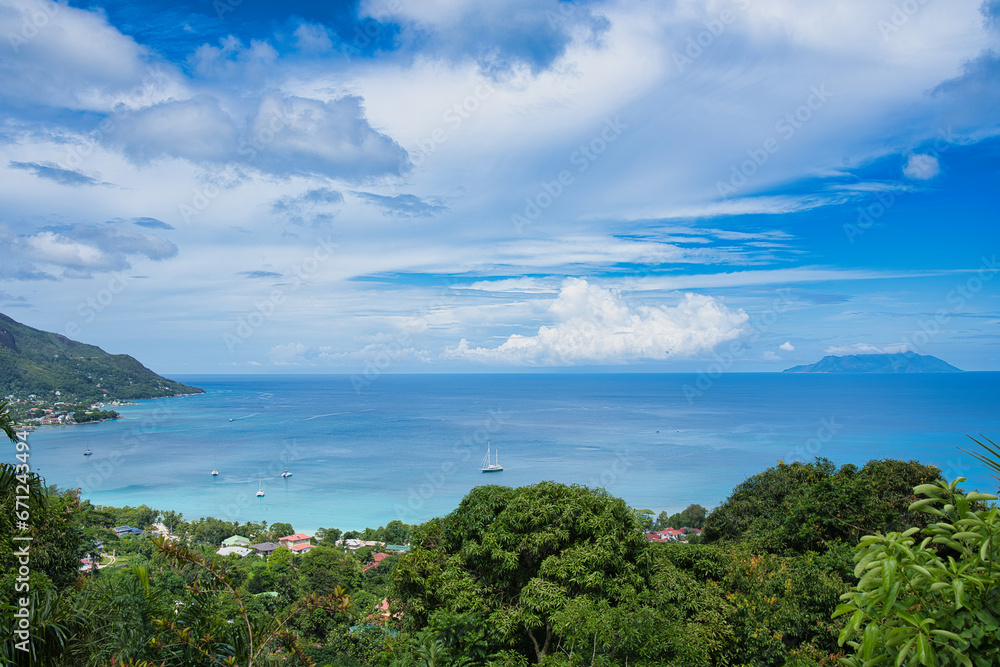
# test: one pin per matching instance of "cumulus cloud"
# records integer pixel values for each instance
(787, 346)
(282, 136)
(598, 325)
(60, 56)
(77, 251)
(297, 135)
(921, 167)
(312, 38)
(197, 129)
(867, 348)
(53, 172)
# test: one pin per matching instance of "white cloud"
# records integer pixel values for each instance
(598, 325)
(787, 346)
(196, 129)
(290, 354)
(867, 348)
(79, 250)
(922, 167)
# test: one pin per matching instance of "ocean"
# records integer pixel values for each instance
(409, 447)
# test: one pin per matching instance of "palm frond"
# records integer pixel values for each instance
(991, 459)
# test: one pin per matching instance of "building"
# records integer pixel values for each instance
(302, 548)
(265, 549)
(239, 551)
(236, 541)
(127, 531)
(291, 541)
(398, 548)
(378, 559)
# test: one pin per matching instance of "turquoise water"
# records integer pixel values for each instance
(409, 447)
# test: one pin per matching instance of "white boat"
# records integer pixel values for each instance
(286, 473)
(491, 467)
(88, 452)
(215, 472)
(260, 491)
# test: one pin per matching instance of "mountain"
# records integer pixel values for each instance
(41, 363)
(901, 362)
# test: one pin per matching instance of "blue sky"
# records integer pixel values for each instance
(241, 186)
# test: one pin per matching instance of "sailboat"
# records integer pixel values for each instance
(88, 452)
(491, 467)
(260, 491)
(286, 473)
(215, 472)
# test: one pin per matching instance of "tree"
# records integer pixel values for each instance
(195, 635)
(799, 507)
(324, 569)
(931, 602)
(328, 536)
(7, 422)
(693, 516)
(279, 530)
(518, 557)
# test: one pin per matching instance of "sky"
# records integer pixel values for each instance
(240, 186)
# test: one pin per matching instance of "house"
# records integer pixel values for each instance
(236, 541)
(352, 544)
(378, 559)
(127, 531)
(290, 541)
(398, 548)
(239, 551)
(672, 534)
(302, 548)
(265, 549)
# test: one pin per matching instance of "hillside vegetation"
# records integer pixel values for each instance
(42, 363)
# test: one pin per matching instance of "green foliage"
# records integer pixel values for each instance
(7, 422)
(517, 557)
(799, 507)
(990, 456)
(693, 516)
(932, 602)
(39, 362)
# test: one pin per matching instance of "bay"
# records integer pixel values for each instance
(409, 447)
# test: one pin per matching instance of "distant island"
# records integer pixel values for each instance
(901, 362)
(49, 378)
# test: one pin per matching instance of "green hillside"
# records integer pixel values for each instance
(42, 363)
